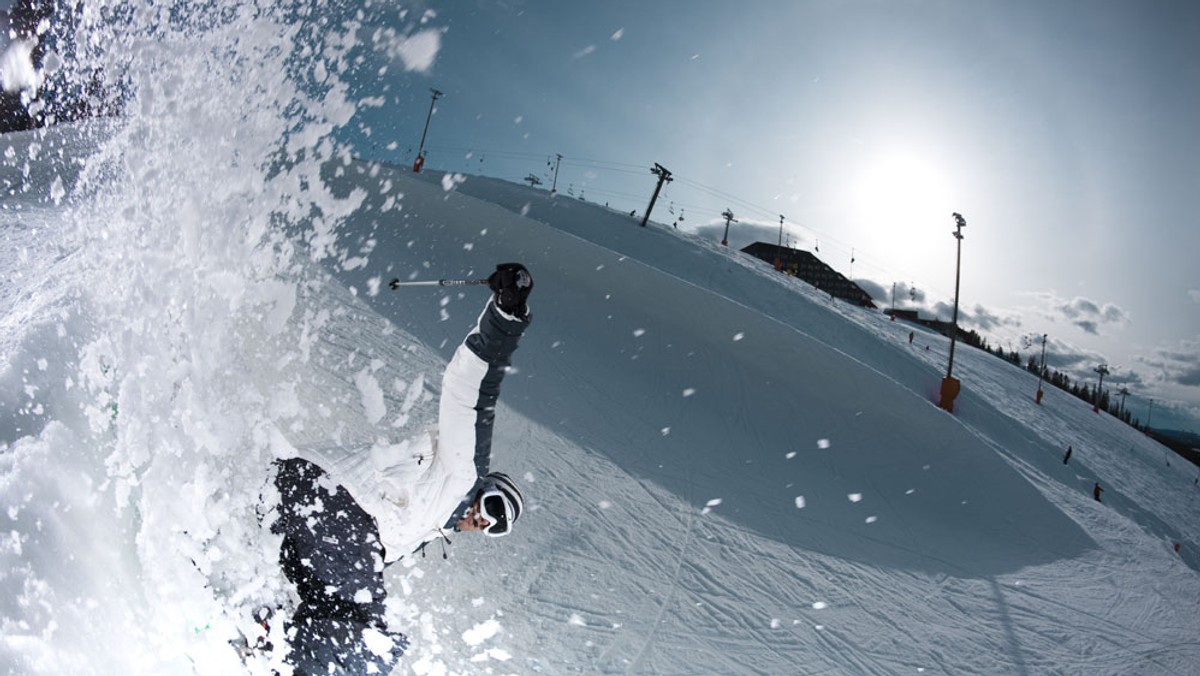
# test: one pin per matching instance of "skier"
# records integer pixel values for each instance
(1067, 455)
(1096, 491)
(345, 513)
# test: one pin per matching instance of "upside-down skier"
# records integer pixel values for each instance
(346, 513)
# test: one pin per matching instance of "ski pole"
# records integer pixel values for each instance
(396, 283)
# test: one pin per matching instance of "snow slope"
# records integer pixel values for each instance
(726, 471)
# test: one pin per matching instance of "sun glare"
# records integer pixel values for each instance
(902, 200)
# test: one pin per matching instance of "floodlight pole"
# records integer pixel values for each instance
(1121, 411)
(1042, 370)
(951, 386)
(779, 249)
(554, 185)
(1103, 371)
(420, 161)
(663, 176)
(728, 216)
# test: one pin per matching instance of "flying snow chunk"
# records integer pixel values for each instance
(855, 497)
(638, 333)
(799, 502)
(820, 605)
(775, 623)
(790, 455)
(689, 391)
(377, 642)
(872, 519)
(738, 336)
(417, 51)
(618, 35)
(665, 431)
(17, 71)
(481, 632)
(372, 396)
(450, 181)
(710, 504)
(822, 443)
(604, 504)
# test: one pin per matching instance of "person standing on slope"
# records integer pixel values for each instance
(346, 513)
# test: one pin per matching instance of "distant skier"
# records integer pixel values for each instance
(1096, 491)
(1067, 455)
(345, 512)
(911, 335)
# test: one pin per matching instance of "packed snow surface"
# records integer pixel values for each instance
(725, 470)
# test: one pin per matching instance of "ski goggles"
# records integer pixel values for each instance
(493, 507)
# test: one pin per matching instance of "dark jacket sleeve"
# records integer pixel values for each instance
(494, 340)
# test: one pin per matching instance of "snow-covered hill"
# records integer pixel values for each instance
(727, 472)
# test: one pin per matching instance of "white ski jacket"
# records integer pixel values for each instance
(416, 489)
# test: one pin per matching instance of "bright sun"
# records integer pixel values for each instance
(903, 201)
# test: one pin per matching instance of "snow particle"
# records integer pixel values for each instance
(576, 620)
(820, 605)
(791, 455)
(481, 632)
(618, 35)
(775, 623)
(738, 336)
(872, 519)
(710, 504)
(638, 333)
(604, 504)
(855, 497)
(665, 431)
(822, 443)
(799, 502)
(689, 391)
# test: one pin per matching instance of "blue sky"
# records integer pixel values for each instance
(1062, 131)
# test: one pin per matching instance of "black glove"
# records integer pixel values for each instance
(512, 283)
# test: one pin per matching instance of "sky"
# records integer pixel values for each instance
(1061, 131)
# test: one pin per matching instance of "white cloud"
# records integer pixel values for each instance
(1194, 294)
(1088, 315)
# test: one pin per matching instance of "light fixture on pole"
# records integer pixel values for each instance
(1042, 370)
(554, 186)
(779, 250)
(951, 385)
(1103, 371)
(420, 161)
(728, 216)
(664, 176)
